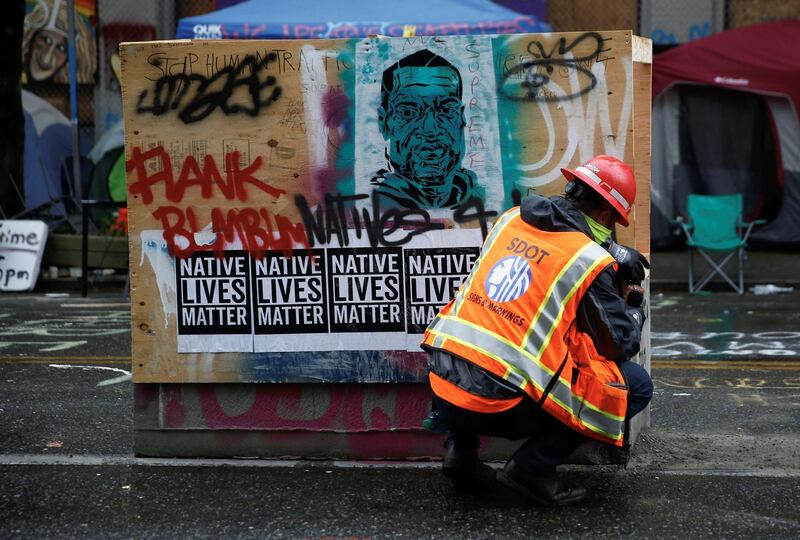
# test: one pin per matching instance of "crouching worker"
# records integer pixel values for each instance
(536, 344)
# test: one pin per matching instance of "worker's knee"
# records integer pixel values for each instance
(640, 386)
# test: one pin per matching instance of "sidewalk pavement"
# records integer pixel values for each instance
(670, 269)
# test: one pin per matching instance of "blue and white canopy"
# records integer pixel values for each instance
(307, 19)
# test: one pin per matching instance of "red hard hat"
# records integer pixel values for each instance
(610, 177)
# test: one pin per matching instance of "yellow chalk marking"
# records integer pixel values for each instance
(768, 365)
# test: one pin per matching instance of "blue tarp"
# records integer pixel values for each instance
(306, 19)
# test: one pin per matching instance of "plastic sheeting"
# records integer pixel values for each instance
(784, 230)
(760, 58)
(261, 19)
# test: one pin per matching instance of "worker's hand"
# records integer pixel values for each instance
(633, 295)
(638, 316)
(631, 263)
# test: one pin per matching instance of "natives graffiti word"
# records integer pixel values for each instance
(191, 174)
(535, 75)
(462, 215)
(337, 218)
(206, 95)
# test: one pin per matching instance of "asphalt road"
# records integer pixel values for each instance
(722, 459)
(328, 502)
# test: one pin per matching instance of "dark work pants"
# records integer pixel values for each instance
(549, 441)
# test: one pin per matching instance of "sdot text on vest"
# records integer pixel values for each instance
(526, 249)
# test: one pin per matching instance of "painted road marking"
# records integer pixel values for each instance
(750, 473)
(677, 344)
(327, 465)
(116, 380)
(768, 365)
(50, 346)
(771, 365)
(74, 366)
(126, 375)
(739, 383)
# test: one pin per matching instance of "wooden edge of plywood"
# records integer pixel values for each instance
(181, 41)
(642, 49)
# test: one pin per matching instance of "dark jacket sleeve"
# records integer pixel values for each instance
(615, 327)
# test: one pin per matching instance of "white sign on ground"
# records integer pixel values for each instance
(21, 248)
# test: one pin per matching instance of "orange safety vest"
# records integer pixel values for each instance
(514, 315)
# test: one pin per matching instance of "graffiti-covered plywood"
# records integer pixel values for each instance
(299, 210)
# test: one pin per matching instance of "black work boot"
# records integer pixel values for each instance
(540, 488)
(462, 466)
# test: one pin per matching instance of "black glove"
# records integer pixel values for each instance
(635, 298)
(638, 316)
(631, 263)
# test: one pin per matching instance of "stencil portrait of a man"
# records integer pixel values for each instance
(421, 119)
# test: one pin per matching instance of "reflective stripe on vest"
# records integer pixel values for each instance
(499, 349)
(523, 362)
(568, 281)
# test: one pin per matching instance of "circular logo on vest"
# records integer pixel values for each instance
(508, 279)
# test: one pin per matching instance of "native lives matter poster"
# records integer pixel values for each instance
(214, 303)
(354, 297)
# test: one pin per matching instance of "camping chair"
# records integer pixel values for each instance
(715, 225)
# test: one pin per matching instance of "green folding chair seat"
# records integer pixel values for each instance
(715, 225)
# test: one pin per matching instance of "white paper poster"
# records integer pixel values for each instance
(21, 248)
(356, 297)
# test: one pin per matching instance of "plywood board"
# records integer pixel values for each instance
(245, 151)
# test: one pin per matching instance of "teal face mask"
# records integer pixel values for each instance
(599, 233)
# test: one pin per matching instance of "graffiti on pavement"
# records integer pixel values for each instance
(730, 383)
(69, 330)
(725, 344)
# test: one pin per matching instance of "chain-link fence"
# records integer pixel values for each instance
(48, 189)
(667, 22)
(101, 25)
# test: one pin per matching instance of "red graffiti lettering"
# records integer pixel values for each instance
(257, 229)
(191, 174)
(180, 239)
(349, 408)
